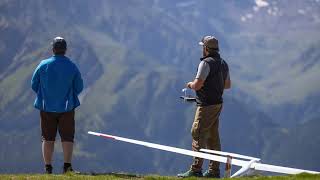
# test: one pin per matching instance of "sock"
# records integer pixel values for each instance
(48, 168)
(67, 165)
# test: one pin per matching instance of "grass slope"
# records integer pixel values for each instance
(150, 177)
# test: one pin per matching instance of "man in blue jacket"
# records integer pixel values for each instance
(57, 82)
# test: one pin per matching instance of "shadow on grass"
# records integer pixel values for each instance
(118, 175)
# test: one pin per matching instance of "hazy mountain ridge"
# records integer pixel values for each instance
(302, 146)
(267, 52)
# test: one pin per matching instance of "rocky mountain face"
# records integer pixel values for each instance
(135, 57)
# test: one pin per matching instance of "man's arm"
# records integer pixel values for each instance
(203, 71)
(78, 82)
(196, 84)
(35, 81)
(227, 82)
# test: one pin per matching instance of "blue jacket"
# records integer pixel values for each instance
(57, 82)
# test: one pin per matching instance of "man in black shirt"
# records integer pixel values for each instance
(211, 80)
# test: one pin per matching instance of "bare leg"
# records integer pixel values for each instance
(47, 151)
(67, 148)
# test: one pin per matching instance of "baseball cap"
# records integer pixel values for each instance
(210, 42)
(59, 43)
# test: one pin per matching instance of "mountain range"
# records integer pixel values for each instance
(136, 56)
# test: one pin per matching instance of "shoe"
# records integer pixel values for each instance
(48, 169)
(209, 174)
(190, 173)
(68, 169)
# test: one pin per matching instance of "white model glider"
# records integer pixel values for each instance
(246, 163)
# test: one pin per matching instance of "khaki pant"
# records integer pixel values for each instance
(205, 134)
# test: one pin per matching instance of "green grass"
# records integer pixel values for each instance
(148, 177)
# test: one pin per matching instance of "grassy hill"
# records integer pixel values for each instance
(115, 176)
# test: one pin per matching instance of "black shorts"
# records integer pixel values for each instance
(63, 122)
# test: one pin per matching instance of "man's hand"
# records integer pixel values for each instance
(189, 85)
